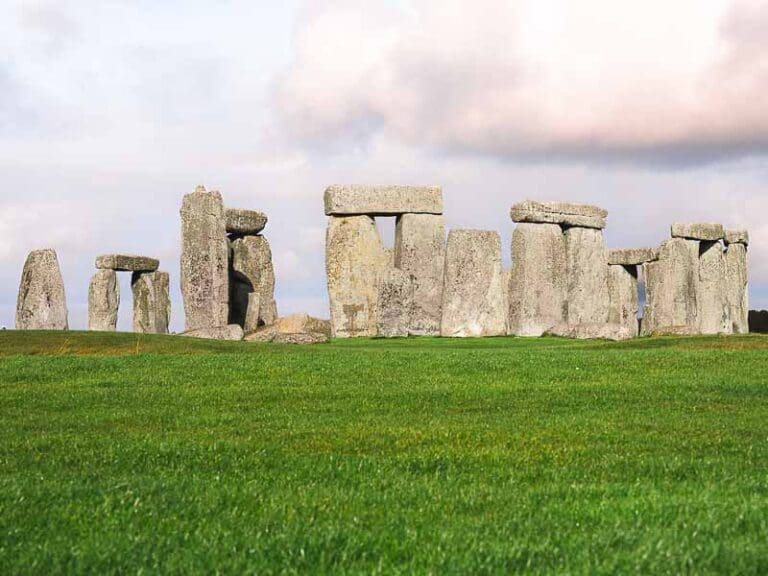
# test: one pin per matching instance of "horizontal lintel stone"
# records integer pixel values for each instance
(245, 222)
(706, 231)
(736, 237)
(632, 256)
(343, 200)
(127, 263)
(563, 213)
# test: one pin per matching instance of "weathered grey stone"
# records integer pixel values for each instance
(395, 303)
(420, 252)
(698, 231)
(632, 256)
(354, 258)
(103, 301)
(592, 331)
(293, 329)
(537, 286)
(587, 298)
(311, 338)
(563, 213)
(736, 287)
(42, 303)
(151, 302)
(383, 200)
(204, 260)
(671, 284)
(127, 263)
(252, 313)
(712, 308)
(675, 331)
(390, 253)
(245, 222)
(623, 297)
(252, 270)
(736, 237)
(474, 297)
(227, 332)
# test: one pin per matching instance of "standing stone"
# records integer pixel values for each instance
(474, 296)
(395, 303)
(42, 303)
(420, 252)
(252, 314)
(151, 302)
(252, 271)
(354, 258)
(623, 297)
(204, 260)
(587, 276)
(537, 286)
(103, 301)
(671, 284)
(736, 291)
(712, 308)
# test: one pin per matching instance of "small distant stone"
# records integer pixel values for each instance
(229, 332)
(245, 222)
(736, 237)
(632, 256)
(706, 231)
(127, 263)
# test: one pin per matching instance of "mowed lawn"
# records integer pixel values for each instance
(147, 455)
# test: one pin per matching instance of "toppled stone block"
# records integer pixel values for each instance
(671, 285)
(245, 222)
(103, 301)
(736, 237)
(562, 213)
(420, 252)
(736, 293)
(252, 271)
(383, 200)
(42, 303)
(127, 263)
(354, 258)
(592, 331)
(151, 302)
(204, 260)
(587, 298)
(395, 303)
(632, 256)
(475, 300)
(537, 283)
(712, 309)
(674, 331)
(623, 297)
(707, 231)
(293, 329)
(229, 332)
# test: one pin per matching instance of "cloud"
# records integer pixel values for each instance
(648, 81)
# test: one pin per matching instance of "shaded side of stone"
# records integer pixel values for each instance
(42, 303)
(151, 302)
(537, 282)
(350, 200)
(632, 256)
(103, 301)
(758, 321)
(474, 296)
(354, 258)
(623, 297)
(420, 252)
(587, 298)
(204, 260)
(736, 279)
(395, 302)
(252, 271)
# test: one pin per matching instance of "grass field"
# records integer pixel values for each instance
(144, 455)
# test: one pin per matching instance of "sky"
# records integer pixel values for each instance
(111, 111)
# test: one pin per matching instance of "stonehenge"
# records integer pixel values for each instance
(151, 302)
(42, 302)
(103, 301)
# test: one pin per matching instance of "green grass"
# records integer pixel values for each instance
(144, 455)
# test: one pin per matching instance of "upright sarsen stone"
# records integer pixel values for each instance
(395, 303)
(420, 253)
(354, 258)
(42, 303)
(712, 308)
(587, 298)
(204, 260)
(736, 287)
(623, 297)
(252, 271)
(474, 296)
(671, 284)
(103, 301)
(151, 302)
(537, 285)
